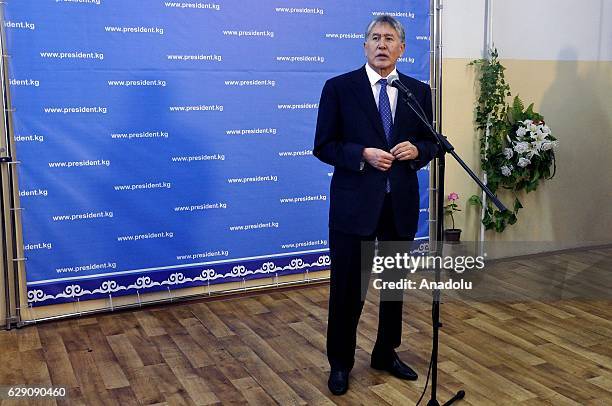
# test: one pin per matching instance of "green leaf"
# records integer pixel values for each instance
(517, 108)
(500, 224)
(517, 205)
(531, 186)
(475, 200)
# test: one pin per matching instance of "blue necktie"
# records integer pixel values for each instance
(384, 108)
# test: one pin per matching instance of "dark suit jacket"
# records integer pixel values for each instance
(348, 121)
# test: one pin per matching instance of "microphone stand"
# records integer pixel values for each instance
(444, 147)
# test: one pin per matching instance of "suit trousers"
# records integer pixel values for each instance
(351, 266)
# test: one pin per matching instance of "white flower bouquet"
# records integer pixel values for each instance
(528, 153)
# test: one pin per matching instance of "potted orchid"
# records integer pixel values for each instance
(452, 234)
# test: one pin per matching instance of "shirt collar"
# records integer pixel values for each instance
(374, 77)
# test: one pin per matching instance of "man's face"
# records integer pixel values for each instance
(382, 48)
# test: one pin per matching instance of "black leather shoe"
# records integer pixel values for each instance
(395, 367)
(338, 381)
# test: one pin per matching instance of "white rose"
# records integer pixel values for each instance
(506, 170)
(527, 122)
(521, 147)
(545, 129)
(546, 145)
(523, 162)
(508, 153)
(521, 132)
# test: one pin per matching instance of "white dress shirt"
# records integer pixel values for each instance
(374, 77)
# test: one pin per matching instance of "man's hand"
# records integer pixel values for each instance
(378, 158)
(405, 151)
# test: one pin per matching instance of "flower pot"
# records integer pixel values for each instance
(452, 235)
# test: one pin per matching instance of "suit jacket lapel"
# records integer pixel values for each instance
(401, 111)
(363, 91)
(404, 116)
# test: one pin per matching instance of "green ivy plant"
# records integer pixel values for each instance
(519, 150)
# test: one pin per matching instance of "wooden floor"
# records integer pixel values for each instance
(270, 349)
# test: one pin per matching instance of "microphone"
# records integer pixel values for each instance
(395, 81)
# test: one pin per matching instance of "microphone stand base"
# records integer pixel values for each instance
(458, 396)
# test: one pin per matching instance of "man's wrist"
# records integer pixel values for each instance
(363, 159)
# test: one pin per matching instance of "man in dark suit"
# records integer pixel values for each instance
(376, 144)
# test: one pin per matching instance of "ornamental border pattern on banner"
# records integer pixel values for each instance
(205, 277)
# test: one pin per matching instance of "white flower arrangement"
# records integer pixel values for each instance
(517, 148)
(530, 140)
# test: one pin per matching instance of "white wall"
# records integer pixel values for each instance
(463, 28)
(576, 30)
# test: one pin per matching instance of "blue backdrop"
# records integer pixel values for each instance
(168, 145)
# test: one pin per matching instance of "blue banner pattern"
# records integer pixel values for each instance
(169, 145)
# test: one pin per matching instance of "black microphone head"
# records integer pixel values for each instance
(393, 80)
